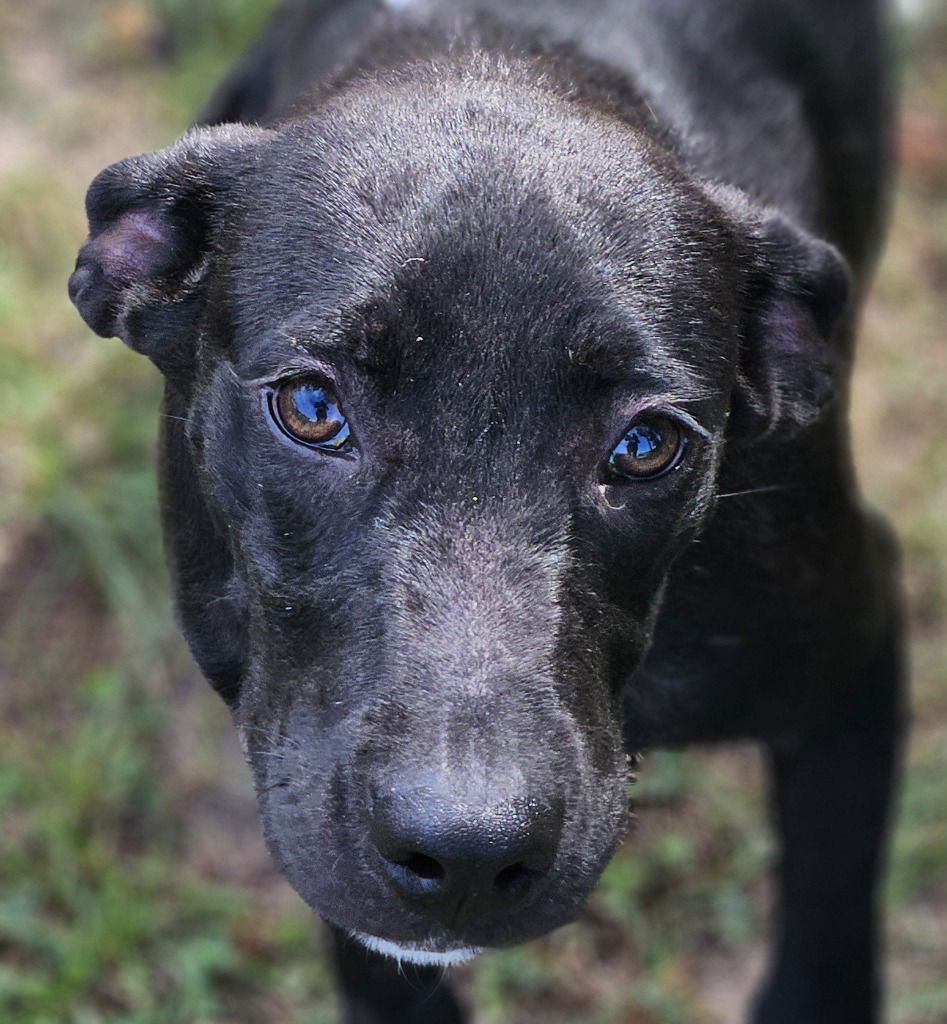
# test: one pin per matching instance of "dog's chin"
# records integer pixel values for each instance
(417, 953)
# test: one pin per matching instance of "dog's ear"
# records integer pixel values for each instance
(152, 221)
(797, 291)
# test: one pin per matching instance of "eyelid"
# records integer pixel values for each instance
(632, 401)
(272, 373)
(685, 419)
(657, 407)
(287, 374)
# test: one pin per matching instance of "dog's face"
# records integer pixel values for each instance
(449, 380)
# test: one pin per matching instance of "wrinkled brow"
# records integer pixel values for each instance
(312, 340)
(282, 350)
(625, 357)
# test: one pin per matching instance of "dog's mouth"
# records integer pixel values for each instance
(416, 952)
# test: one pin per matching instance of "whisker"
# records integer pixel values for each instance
(757, 490)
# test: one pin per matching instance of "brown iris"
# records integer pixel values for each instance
(310, 413)
(651, 446)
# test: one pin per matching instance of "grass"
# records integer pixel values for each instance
(133, 882)
(97, 919)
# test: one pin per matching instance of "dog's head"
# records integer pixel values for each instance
(450, 367)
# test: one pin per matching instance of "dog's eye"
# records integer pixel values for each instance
(652, 445)
(308, 412)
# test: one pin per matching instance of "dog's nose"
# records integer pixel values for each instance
(461, 860)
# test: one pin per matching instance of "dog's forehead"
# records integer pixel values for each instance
(470, 218)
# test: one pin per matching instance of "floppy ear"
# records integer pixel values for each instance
(141, 274)
(797, 291)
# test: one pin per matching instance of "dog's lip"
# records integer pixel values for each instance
(417, 952)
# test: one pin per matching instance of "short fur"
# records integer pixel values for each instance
(502, 232)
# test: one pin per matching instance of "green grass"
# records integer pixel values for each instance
(133, 882)
(98, 920)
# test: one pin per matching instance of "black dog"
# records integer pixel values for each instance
(505, 433)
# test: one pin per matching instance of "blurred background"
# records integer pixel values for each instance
(134, 885)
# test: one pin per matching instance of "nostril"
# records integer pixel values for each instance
(514, 879)
(415, 873)
(422, 866)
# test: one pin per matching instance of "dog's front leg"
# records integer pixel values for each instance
(832, 793)
(378, 990)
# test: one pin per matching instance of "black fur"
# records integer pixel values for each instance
(501, 233)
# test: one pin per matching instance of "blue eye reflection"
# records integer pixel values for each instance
(312, 403)
(310, 414)
(650, 447)
(639, 442)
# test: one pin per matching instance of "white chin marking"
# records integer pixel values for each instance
(417, 954)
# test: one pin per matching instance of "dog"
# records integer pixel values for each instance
(506, 349)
